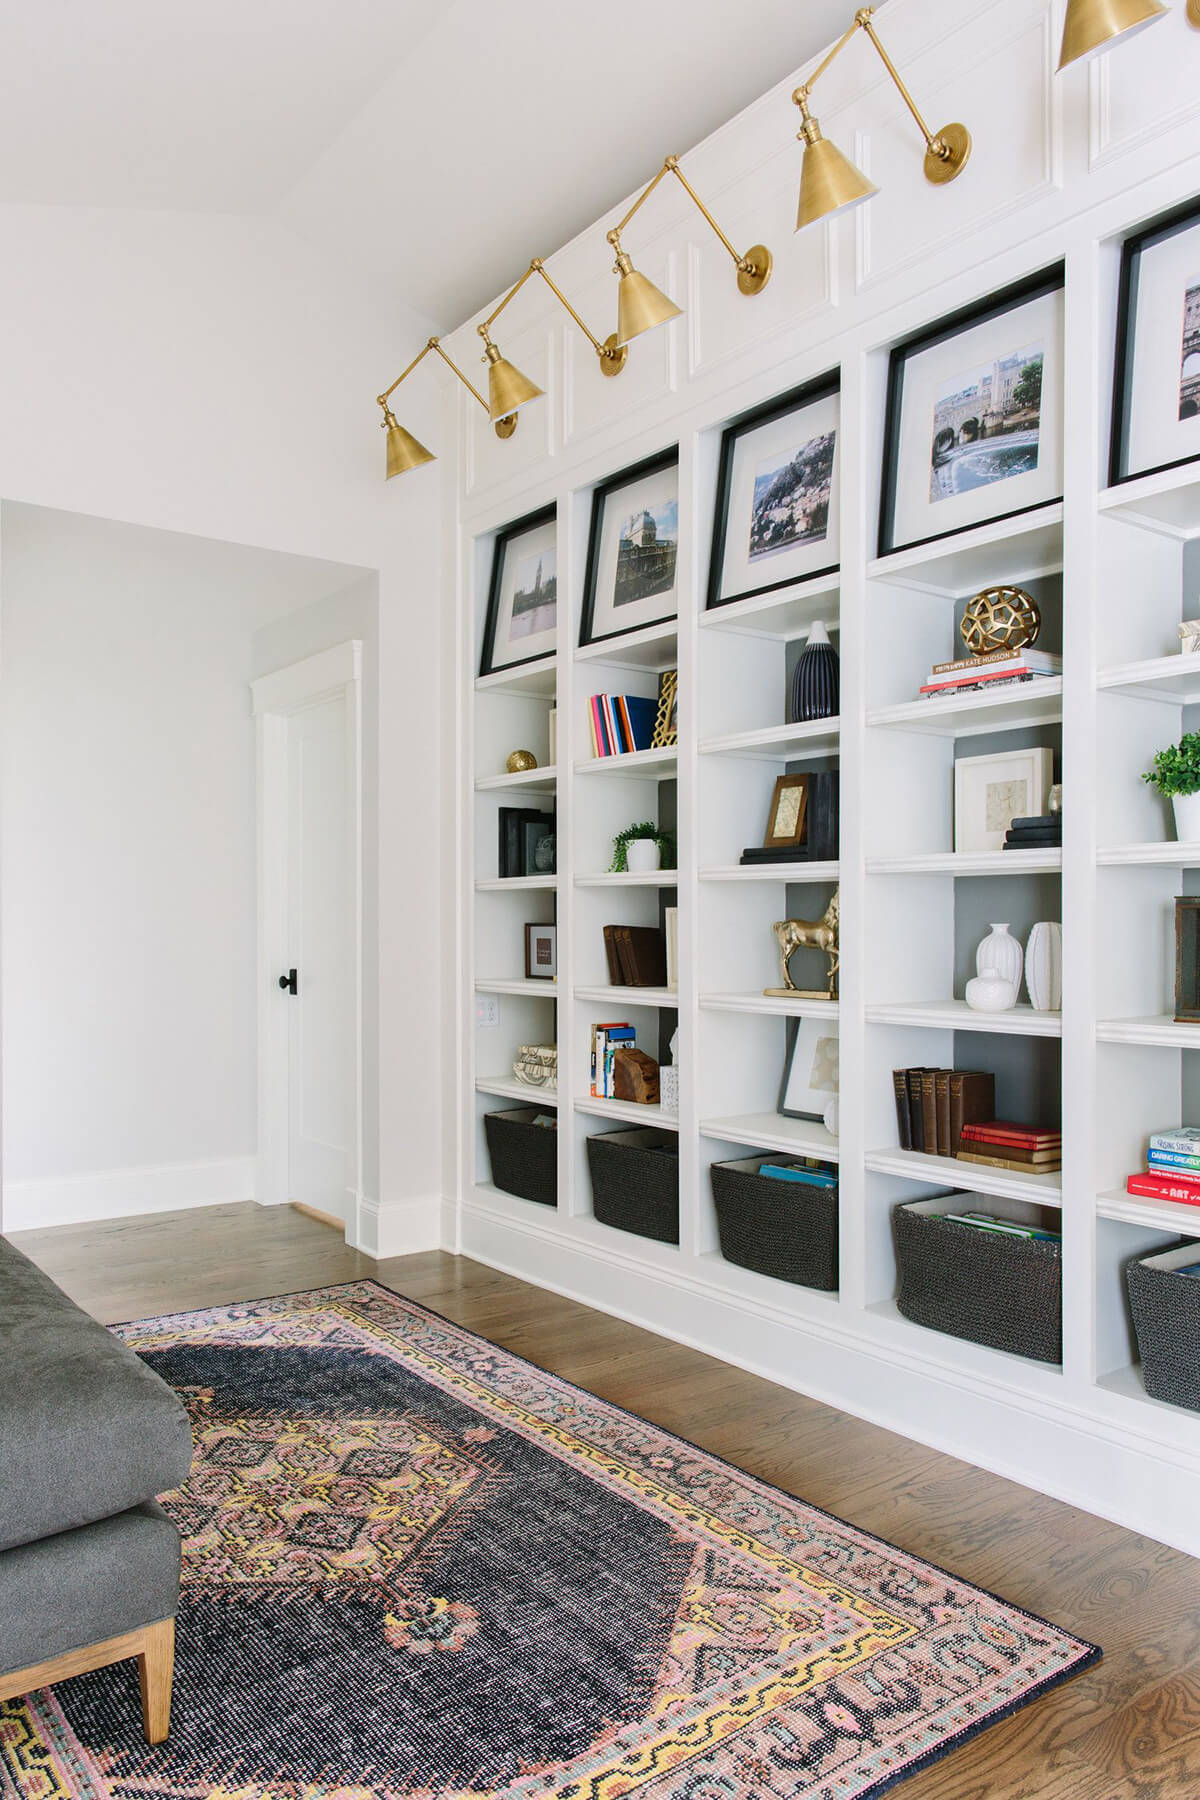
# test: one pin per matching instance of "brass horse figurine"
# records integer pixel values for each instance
(813, 934)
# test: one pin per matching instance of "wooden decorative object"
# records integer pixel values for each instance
(1187, 959)
(816, 934)
(635, 1077)
(789, 811)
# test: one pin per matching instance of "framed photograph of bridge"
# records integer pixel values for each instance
(630, 581)
(1156, 386)
(973, 430)
(522, 609)
(776, 518)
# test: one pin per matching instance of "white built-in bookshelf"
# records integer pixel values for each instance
(1111, 572)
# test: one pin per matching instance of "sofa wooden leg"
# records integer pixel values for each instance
(156, 1669)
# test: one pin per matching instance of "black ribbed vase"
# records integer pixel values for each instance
(816, 683)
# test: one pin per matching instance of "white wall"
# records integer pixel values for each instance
(128, 903)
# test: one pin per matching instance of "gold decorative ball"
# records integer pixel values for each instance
(521, 760)
(1000, 618)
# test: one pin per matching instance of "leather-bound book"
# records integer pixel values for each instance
(643, 953)
(972, 1098)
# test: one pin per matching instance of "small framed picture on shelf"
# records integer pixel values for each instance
(666, 718)
(991, 791)
(974, 427)
(1156, 383)
(810, 1077)
(776, 519)
(522, 607)
(789, 812)
(632, 548)
(526, 842)
(541, 953)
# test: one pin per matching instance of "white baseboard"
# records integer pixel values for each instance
(398, 1227)
(1122, 1475)
(123, 1193)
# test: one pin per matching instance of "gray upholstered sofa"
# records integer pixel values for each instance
(89, 1563)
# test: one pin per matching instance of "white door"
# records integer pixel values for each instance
(320, 948)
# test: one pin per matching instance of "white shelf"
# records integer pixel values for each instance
(1166, 1215)
(972, 862)
(1172, 679)
(1008, 550)
(956, 1015)
(658, 878)
(653, 765)
(1167, 503)
(1036, 702)
(547, 989)
(524, 778)
(973, 1178)
(779, 743)
(535, 678)
(1154, 1028)
(631, 996)
(509, 1088)
(781, 871)
(516, 884)
(799, 1008)
(655, 647)
(629, 1111)
(1127, 1383)
(1174, 855)
(981, 1360)
(771, 1131)
(786, 614)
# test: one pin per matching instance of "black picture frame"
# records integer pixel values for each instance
(1155, 231)
(664, 459)
(544, 516)
(821, 387)
(520, 830)
(992, 306)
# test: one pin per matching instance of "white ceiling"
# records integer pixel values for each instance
(436, 145)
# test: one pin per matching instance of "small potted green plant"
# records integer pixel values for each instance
(641, 849)
(1176, 775)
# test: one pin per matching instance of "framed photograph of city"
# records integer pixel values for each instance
(632, 546)
(776, 518)
(522, 606)
(1156, 384)
(974, 430)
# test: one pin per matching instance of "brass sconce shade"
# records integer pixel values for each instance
(829, 181)
(640, 305)
(404, 451)
(507, 387)
(1091, 25)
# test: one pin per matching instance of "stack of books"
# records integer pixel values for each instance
(606, 1040)
(636, 955)
(989, 1222)
(1172, 1167)
(1000, 1144)
(621, 723)
(1041, 832)
(805, 1169)
(998, 669)
(935, 1106)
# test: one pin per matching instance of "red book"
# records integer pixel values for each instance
(1165, 1187)
(1003, 1131)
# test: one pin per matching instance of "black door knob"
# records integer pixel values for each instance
(288, 982)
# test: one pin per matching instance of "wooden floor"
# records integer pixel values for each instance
(1128, 1729)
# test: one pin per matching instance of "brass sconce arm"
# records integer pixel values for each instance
(754, 268)
(611, 354)
(435, 345)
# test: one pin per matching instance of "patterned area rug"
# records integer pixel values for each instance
(418, 1568)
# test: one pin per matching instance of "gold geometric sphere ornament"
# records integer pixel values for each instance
(520, 760)
(1000, 618)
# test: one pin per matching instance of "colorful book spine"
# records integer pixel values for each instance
(1167, 1159)
(983, 678)
(1164, 1187)
(1045, 661)
(1183, 1142)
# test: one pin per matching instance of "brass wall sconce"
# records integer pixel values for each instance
(507, 387)
(404, 451)
(640, 305)
(829, 181)
(1091, 25)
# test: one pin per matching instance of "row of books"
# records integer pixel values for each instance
(621, 723)
(998, 669)
(637, 955)
(807, 1170)
(1172, 1167)
(933, 1106)
(1002, 1144)
(981, 1221)
(606, 1041)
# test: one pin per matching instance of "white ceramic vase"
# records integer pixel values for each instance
(1001, 953)
(1186, 808)
(642, 856)
(1043, 966)
(990, 992)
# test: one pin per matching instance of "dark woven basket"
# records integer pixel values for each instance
(1005, 1292)
(780, 1228)
(1166, 1317)
(635, 1181)
(524, 1155)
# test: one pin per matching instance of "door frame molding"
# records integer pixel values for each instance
(275, 699)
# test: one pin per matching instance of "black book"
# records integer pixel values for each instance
(1038, 822)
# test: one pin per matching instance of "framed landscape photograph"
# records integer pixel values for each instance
(632, 548)
(973, 430)
(776, 519)
(522, 607)
(991, 791)
(810, 1077)
(1156, 379)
